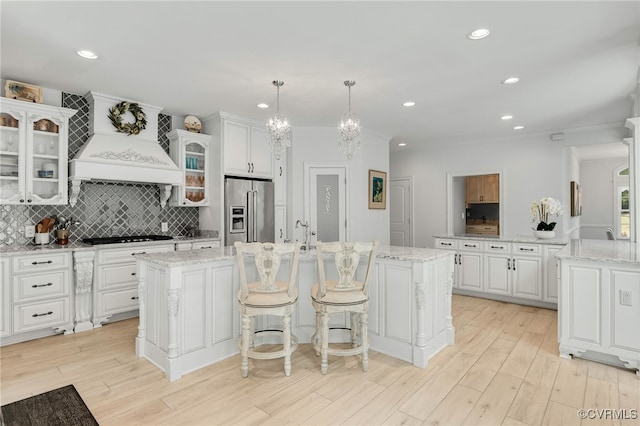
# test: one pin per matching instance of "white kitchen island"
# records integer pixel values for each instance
(189, 312)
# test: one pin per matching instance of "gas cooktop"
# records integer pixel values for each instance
(127, 239)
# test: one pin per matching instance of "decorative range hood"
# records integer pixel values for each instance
(110, 156)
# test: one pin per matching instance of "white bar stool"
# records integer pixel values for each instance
(267, 297)
(342, 295)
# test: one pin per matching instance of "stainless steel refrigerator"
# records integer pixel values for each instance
(249, 211)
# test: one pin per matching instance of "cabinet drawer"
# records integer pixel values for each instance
(35, 286)
(35, 316)
(527, 249)
(445, 244)
(126, 254)
(41, 262)
(120, 275)
(114, 302)
(470, 245)
(183, 246)
(497, 247)
(205, 244)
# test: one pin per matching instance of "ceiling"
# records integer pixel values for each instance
(577, 61)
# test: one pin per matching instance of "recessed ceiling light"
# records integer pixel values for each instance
(506, 117)
(518, 128)
(478, 34)
(510, 80)
(87, 54)
(409, 104)
(263, 105)
(402, 144)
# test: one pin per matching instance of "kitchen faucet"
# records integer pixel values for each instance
(305, 225)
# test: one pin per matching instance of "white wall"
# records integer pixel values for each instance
(320, 144)
(571, 173)
(531, 169)
(597, 189)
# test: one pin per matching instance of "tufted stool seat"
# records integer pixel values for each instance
(267, 296)
(341, 295)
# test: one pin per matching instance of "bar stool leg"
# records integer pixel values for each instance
(286, 331)
(354, 329)
(315, 339)
(365, 341)
(244, 364)
(324, 341)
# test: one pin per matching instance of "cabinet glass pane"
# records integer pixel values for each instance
(45, 158)
(9, 156)
(194, 172)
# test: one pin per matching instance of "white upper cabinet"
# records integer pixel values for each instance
(190, 152)
(33, 153)
(246, 152)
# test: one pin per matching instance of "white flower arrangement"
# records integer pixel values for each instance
(541, 210)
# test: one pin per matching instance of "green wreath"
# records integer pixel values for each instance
(116, 113)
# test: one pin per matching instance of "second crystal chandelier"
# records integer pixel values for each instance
(278, 127)
(349, 141)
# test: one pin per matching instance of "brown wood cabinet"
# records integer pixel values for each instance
(482, 229)
(483, 189)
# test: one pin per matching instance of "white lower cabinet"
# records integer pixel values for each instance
(467, 274)
(40, 293)
(551, 274)
(599, 312)
(510, 271)
(115, 284)
(5, 298)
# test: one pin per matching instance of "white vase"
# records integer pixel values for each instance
(544, 235)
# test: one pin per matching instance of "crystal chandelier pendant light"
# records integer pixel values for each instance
(349, 141)
(278, 127)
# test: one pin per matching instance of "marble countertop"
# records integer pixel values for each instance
(194, 257)
(16, 250)
(601, 251)
(506, 239)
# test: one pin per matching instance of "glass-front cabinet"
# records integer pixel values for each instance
(190, 152)
(33, 153)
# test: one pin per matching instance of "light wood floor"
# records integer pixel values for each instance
(503, 369)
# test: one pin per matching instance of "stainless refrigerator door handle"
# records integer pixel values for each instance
(255, 208)
(249, 217)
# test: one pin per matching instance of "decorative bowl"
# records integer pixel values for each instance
(544, 235)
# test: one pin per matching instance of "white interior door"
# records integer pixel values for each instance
(400, 212)
(326, 202)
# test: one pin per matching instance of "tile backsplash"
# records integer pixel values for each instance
(103, 209)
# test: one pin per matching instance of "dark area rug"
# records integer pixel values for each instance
(61, 406)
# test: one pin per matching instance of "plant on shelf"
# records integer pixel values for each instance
(542, 209)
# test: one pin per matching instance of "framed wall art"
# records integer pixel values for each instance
(23, 91)
(576, 199)
(377, 189)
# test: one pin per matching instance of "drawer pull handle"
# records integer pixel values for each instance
(513, 264)
(42, 263)
(134, 298)
(42, 315)
(526, 249)
(41, 285)
(498, 247)
(140, 252)
(445, 244)
(133, 273)
(206, 247)
(471, 245)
